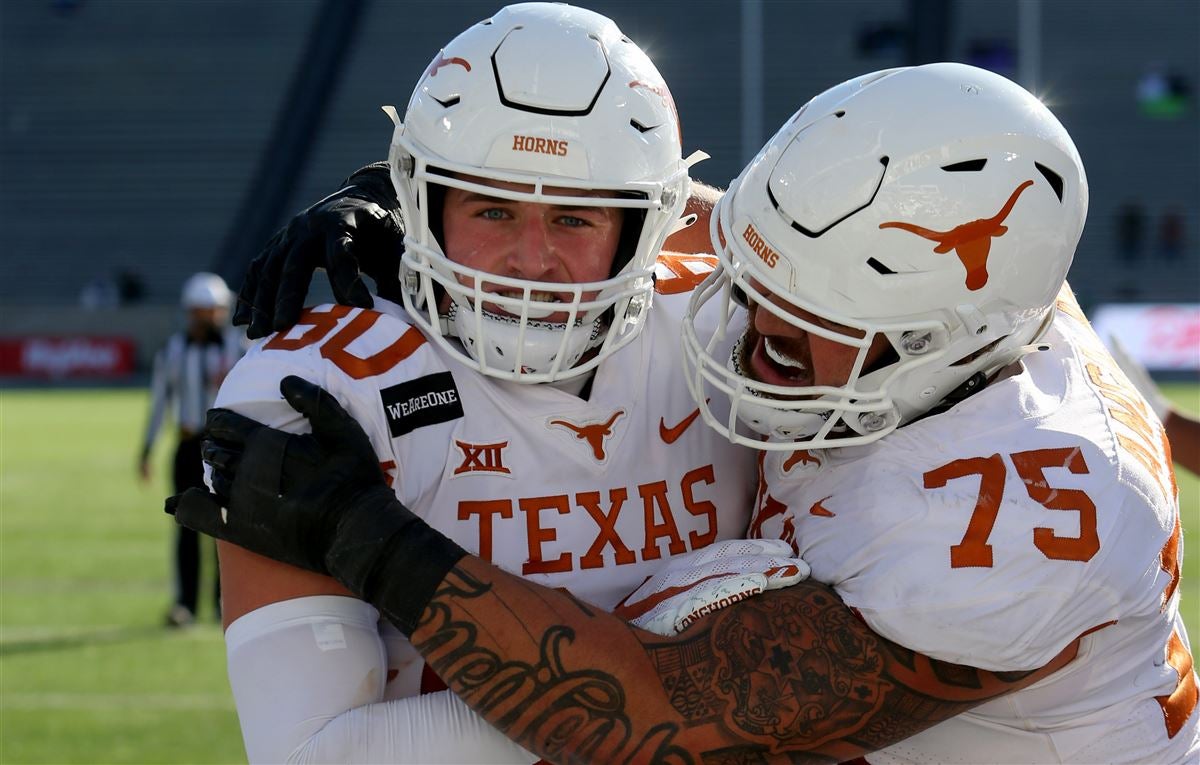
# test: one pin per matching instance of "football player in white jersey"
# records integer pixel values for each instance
(985, 500)
(902, 245)
(527, 398)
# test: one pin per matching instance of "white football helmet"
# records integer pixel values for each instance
(205, 290)
(545, 95)
(938, 206)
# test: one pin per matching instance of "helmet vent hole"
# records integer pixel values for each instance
(969, 166)
(640, 127)
(1055, 180)
(879, 267)
(839, 113)
(451, 101)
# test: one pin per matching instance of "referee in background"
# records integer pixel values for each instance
(188, 370)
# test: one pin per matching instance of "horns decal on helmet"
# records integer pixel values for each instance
(971, 242)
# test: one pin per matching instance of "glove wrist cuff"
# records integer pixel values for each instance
(389, 557)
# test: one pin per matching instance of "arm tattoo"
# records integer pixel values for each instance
(801, 671)
(792, 675)
(538, 700)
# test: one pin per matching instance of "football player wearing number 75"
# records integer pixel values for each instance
(945, 441)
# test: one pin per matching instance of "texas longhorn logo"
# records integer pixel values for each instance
(668, 100)
(801, 457)
(971, 241)
(594, 433)
(441, 61)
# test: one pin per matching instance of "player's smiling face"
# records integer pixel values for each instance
(778, 352)
(533, 241)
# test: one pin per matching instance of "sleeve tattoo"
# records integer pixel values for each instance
(789, 676)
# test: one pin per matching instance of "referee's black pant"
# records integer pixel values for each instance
(189, 473)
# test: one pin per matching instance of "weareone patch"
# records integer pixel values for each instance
(424, 401)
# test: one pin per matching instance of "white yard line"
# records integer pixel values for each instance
(117, 701)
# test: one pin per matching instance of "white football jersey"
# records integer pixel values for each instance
(588, 495)
(994, 534)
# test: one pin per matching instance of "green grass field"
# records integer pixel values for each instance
(87, 674)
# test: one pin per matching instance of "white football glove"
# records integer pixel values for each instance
(1140, 378)
(690, 586)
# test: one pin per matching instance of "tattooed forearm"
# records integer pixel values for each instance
(789, 676)
(563, 714)
(786, 672)
(799, 671)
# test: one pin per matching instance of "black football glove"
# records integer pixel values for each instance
(352, 232)
(317, 501)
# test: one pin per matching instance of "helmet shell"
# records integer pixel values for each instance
(939, 206)
(205, 290)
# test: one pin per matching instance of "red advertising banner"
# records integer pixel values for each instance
(57, 358)
(1162, 336)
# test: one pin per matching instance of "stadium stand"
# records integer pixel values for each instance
(131, 131)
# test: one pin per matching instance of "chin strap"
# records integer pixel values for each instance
(687, 221)
(1025, 350)
(681, 223)
(597, 330)
(970, 387)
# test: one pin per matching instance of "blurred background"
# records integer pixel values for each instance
(143, 141)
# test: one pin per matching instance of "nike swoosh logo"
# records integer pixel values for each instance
(819, 509)
(671, 435)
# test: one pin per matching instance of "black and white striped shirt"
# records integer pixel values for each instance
(187, 374)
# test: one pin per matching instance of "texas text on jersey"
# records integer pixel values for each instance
(589, 495)
(1014, 544)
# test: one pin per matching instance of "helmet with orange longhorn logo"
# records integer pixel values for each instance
(923, 219)
(547, 96)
